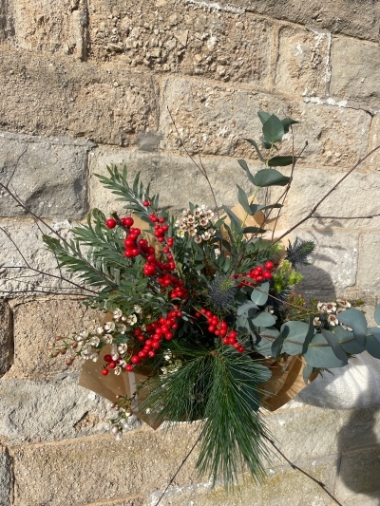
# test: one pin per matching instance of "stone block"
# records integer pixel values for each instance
(174, 177)
(355, 66)
(306, 434)
(5, 477)
(47, 96)
(373, 161)
(217, 120)
(35, 410)
(36, 323)
(48, 175)
(184, 37)
(49, 27)
(282, 486)
(136, 501)
(358, 478)
(357, 19)
(369, 266)
(356, 196)
(361, 428)
(333, 263)
(6, 337)
(303, 66)
(33, 270)
(101, 469)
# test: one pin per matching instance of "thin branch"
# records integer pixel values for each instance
(320, 483)
(179, 469)
(361, 160)
(370, 216)
(16, 165)
(199, 166)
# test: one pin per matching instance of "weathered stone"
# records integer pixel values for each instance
(136, 501)
(373, 161)
(361, 428)
(6, 337)
(282, 486)
(369, 266)
(174, 177)
(320, 438)
(45, 26)
(101, 469)
(47, 96)
(18, 275)
(358, 19)
(214, 44)
(356, 196)
(359, 476)
(333, 263)
(216, 121)
(36, 323)
(303, 66)
(355, 67)
(34, 410)
(48, 175)
(5, 478)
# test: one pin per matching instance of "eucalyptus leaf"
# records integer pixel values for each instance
(347, 341)
(307, 371)
(253, 230)
(377, 314)
(254, 144)
(264, 319)
(233, 217)
(270, 177)
(278, 343)
(263, 346)
(356, 320)
(321, 355)
(273, 129)
(264, 116)
(335, 346)
(297, 334)
(287, 122)
(244, 166)
(244, 308)
(281, 161)
(260, 297)
(243, 200)
(255, 208)
(309, 335)
(372, 345)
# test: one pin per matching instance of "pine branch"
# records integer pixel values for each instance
(298, 252)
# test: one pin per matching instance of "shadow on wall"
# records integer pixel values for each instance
(356, 389)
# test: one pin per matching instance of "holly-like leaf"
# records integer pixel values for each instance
(273, 129)
(270, 177)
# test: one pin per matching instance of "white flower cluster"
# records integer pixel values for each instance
(125, 421)
(197, 224)
(331, 309)
(88, 343)
(172, 364)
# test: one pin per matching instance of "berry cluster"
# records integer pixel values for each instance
(112, 364)
(258, 274)
(220, 328)
(152, 337)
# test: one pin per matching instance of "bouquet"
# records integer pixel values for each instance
(203, 320)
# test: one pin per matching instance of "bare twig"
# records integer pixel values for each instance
(368, 217)
(16, 165)
(293, 466)
(179, 468)
(310, 214)
(200, 167)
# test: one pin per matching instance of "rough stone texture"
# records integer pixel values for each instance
(359, 476)
(355, 67)
(47, 96)
(6, 337)
(15, 280)
(361, 428)
(48, 175)
(373, 161)
(49, 27)
(166, 36)
(353, 197)
(334, 262)
(369, 267)
(136, 501)
(359, 19)
(100, 469)
(277, 489)
(303, 66)
(36, 323)
(174, 177)
(216, 121)
(49, 409)
(5, 478)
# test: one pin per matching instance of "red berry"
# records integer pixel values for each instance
(161, 220)
(146, 203)
(105, 372)
(128, 221)
(111, 223)
(135, 359)
(107, 358)
(112, 364)
(269, 265)
(267, 275)
(129, 367)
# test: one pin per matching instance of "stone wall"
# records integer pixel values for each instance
(87, 83)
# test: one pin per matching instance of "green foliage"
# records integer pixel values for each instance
(298, 252)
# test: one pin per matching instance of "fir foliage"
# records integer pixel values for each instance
(299, 252)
